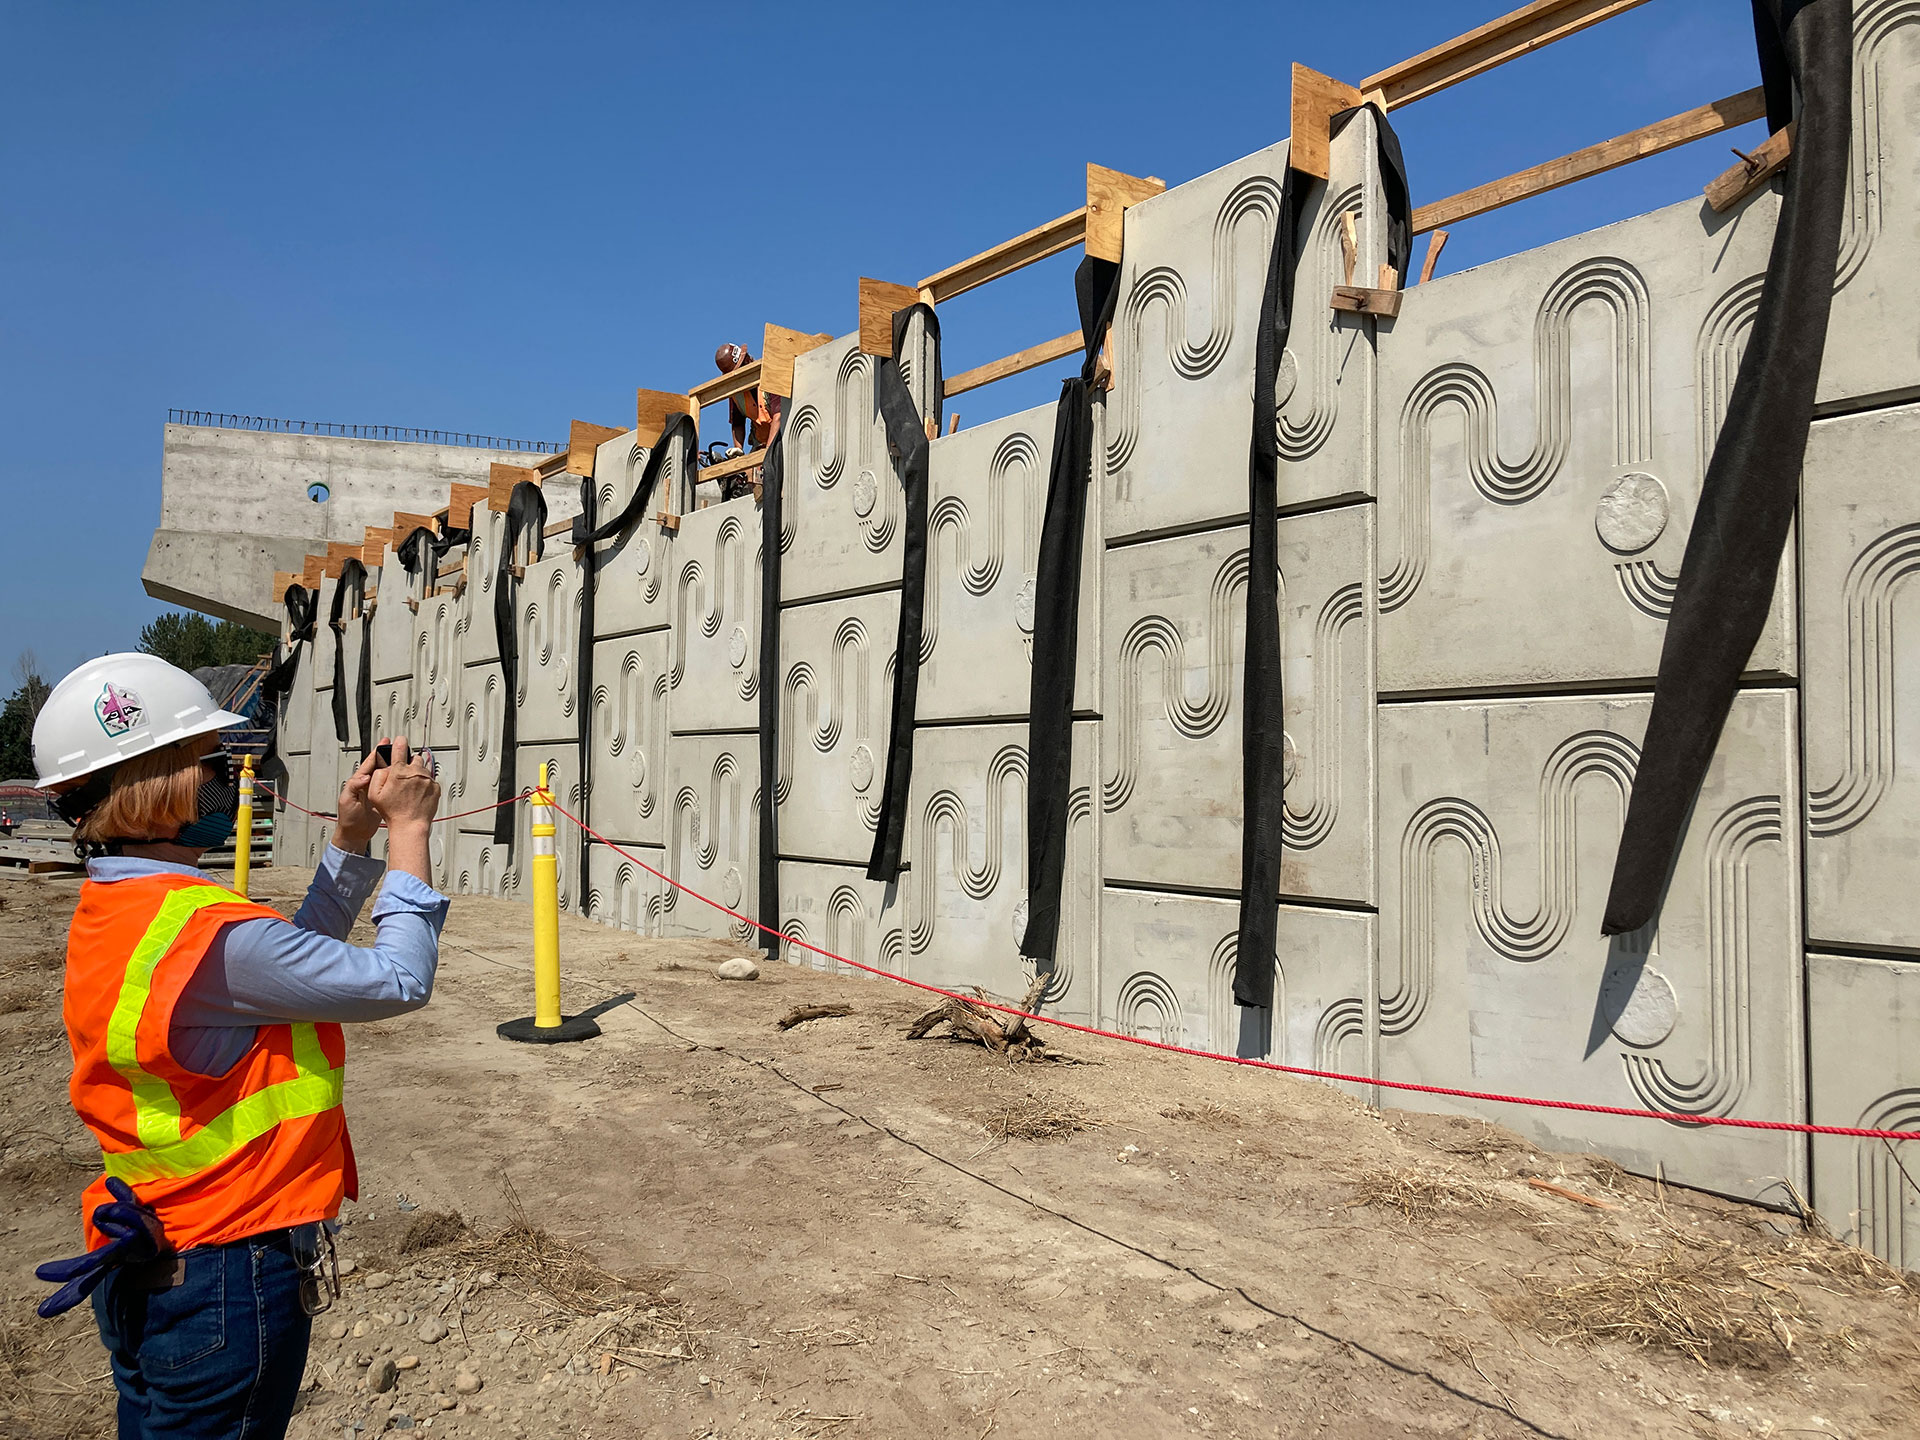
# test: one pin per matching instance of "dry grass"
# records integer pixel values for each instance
(431, 1229)
(1702, 1298)
(1035, 1118)
(1427, 1194)
(1208, 1114)
(675, 965)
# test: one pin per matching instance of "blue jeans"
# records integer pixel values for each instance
(219, 1355)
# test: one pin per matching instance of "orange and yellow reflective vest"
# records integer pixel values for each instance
(218, 1157)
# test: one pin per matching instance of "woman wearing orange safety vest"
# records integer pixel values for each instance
(208, 1058)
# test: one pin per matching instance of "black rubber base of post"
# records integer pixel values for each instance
(571, 1027)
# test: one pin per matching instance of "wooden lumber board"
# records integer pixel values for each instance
(878, 300)
(1517, 33)
(313, 572)
(1652, 139)
(779, 348)
(652, 407)
(751, 461)
(1109, 195)
(1317, 99)
(1359, 300)
(559, 527)
(583, 439)
(1028, 359)
(281, 580)
(1730, 187)
(501, 478)
(552, 465)
(736, 381)
(1056, 235)
(460, 502)
(373, 550)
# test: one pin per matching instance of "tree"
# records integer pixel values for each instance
(16, 721)
(190, 641)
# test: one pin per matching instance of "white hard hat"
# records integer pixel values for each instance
(117, 707)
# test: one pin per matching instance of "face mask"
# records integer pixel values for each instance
(218, 800)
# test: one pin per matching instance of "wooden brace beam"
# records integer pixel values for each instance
(1520, 32)
(878, 300)
(779, 348)
(1594, 160)
(460, 502)
(1003, 259)
(1030, 358)
(1110, 194)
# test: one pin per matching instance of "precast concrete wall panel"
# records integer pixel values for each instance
(289, 825)
(1498, 824)
(393, 620)
(966, 893)
(1181, 408)
(548, 636)
(713, 680)
(635, 569)
(295, 733)
(836, 687)
(987, 495)
(842, 510)
(622, 894)
(713, 833)
(482, 713)
(480, 867)
(436, 651)
(1863, 1023)
(1166, 974)
(1174, 631)
(1545, 423)
(396, 711)
(837, 908)
(1860, 555)
(1871, 352)
(479, 636)
(628, 803)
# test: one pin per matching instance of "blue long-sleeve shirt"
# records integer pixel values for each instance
(269, 972)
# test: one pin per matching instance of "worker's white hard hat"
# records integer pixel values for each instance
(115, 708)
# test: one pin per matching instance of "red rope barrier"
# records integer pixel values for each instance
(438, 819)
(1793, 1126)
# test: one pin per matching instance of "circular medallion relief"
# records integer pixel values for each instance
(1632, 513)
(1286, 377)
(1023, 602)
(860, 768)
(730, 888)
(642, 554)
(1289, 758)
(1019, 922)
(1648, 1010)
(737, 647)
(865, 491)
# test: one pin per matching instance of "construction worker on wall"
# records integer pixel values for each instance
(747, 416)
(207, 1051)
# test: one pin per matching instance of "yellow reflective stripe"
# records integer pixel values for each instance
(308, 1057)
(313, 1093)
(155, 1111)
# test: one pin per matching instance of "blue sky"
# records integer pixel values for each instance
(497, 217)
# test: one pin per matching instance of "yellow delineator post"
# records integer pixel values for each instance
(546, 1026)
(243, 829)
(546, 910)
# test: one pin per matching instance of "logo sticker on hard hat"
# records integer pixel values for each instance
(119, 710)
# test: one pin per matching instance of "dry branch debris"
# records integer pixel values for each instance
(1035, 1118)
(1426, 1194)
(800, 1014)
(1000, 1032)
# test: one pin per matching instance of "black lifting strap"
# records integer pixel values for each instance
(1056, 620)
(908, 439)
(585, 536)
(526, 511)
(303, 607)
(352, 572)
(363, 681)
(770, 480)
(1263, 774)
(1752, 482)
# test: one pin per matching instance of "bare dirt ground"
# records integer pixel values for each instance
(702, 1225)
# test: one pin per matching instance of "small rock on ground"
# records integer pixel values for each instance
(467, 1383)
(738, 968)
(378, 1280)
(432, 1330)
(381, 1375)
